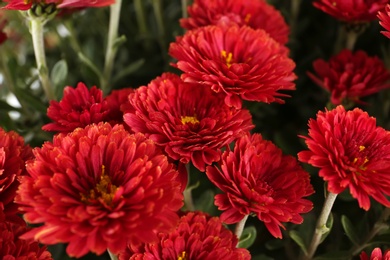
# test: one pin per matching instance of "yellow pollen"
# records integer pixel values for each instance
(228, 57)
(247, 18)
(361, 148)
(182, 256)
(189, 119)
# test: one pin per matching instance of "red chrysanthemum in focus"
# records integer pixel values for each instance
(384, 20)
(13, 155)
(349, 76)
(190, 122)
(27, 4)
(79, 107)
(240, 62)
(99, 188)
(14, 248)
(351, 152)
(352, 10)
(256, 178)
(197, 237)
(116, 103)
(376, 255)
(256, 14)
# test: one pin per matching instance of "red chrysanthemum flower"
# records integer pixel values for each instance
(257, 14)
(351, 152)
(384, 20)
(256, 178)
(190, 122)
(196, 237)
(99, 188)
(349, 76)
(27, 4)
(14, 248)
(13, 155)
(376, 255)
(116, 103)
(352, 10)
(240, 62)
(79, 107)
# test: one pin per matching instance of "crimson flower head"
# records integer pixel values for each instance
(27, 4)
(116, 103)
(256, 14)
(190, 122)
(353, 10)
(384, 20)
(349, 76)
(256, 178)
(239, 62)
(99, 188)
(79, 107)
(13, 155)
(376, 255)
(197, 237)
(351, 152)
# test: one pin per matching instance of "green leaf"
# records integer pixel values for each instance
(205, 202)
(299, 240)
(338, 255)
(5, 106)
(248, 237)
(134, 66)
(34, 102)
(59, 72)
(350, 230)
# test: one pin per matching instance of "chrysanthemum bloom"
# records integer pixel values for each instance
(256, 178)
(196, 237)
(99, 188)
(384, 20)
(349, 76)
(257, 14)
(13, 155)
(190, 122)
(27, 4)
(79, 107)
(14, 248)
(351, 152)
(352, 10)
(376, 255)
(239, 62)
(116, 103)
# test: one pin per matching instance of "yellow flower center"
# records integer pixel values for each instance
(228, 58)
(182, 256)
(189, 119)
(360, 161)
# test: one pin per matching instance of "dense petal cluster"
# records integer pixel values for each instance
(27, 4)
(99, 188)
(256, 14)
(353, 10)
(196, 237)
(256, 178)
(116, 103)
(255, 67)
(376, 254)
(190, 122)
(349, 76)
(13, 155)
(79, 107)
(384, 20)
(351, 152)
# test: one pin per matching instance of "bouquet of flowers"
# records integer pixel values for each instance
(178, 130)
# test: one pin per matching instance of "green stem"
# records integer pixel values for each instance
(111, 50)
(351, 40)
(240, 227)
(321, 225)
(188, 201)
(184, 4)
(112, 256)
(158, 12)
(37, 26)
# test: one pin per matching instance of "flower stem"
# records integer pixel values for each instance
(240, 227)
(112, 256)
(184, 4)
(37, 25)
(321, 225)
(188, 201)
(115, 10)
(351, 40)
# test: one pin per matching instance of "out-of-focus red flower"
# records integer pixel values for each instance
(257, 14)
(349, 76)
(352, 10)
(190, 122)
(116, 103)
(99, 188)
(239, 62)
(197, 237)
(376, 254)
(256, 178)
(384, 20)
(27, 4)
(3, 22)
(79, 107)
(351, 152)
(14, 248)
(13, 155)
